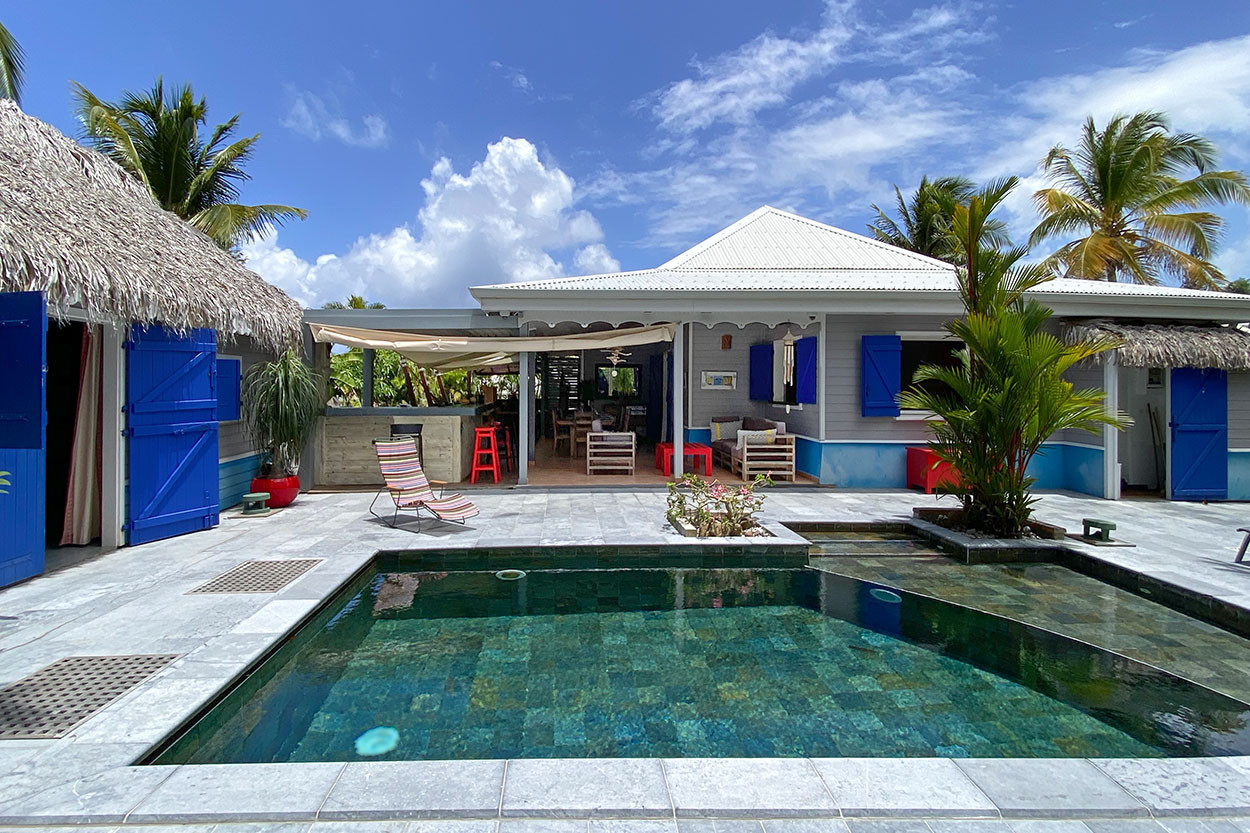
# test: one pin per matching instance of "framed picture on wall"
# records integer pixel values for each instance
(718, 380)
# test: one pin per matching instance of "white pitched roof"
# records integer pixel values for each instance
(775, 253)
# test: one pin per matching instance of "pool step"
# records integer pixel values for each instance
(855, 547)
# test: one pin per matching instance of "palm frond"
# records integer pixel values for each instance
(12, 66)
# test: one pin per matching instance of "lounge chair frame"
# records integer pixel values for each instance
(407, 445)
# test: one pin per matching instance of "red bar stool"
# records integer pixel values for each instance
(505, 444)
(485, 453)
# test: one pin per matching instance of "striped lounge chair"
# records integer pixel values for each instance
(408, 487)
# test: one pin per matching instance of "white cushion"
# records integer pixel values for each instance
(757, 437)
(726, 430)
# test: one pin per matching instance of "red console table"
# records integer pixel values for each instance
(925, 471)
(664, 456)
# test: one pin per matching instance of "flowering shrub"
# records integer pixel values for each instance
(714, 509)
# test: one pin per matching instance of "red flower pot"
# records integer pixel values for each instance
(282, 490)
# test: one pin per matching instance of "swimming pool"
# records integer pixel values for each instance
(411, 664)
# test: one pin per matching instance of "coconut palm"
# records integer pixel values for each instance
(354, 302)
(1135, 194)
(12, 65)
(923, 224)
(156, 137)
(1006, 395)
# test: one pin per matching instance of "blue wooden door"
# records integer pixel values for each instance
(23, 356)
(1199, 434)
(171, 416)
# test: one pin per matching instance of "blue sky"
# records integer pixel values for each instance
(437, 146)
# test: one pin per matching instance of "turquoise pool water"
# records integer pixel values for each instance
(408, 665)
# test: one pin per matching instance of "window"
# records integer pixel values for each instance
(917, 352)
(617, 381)
(229, 383)
(784, 371)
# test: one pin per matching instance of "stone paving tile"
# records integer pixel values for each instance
(416, 789)
(1182, 786)
(886, 826)
(246, 792)
(447, 826)
(98, 799)
(633, 826)
(1123, 826)
(805, 826)
(373, 827)
(543, 826)
(1047, 826)
(1049, 788)
(736, 787)
(975, 826)
(628, 787)
(902, 787)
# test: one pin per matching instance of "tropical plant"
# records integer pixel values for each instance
(923, 225)
(1241, 286)
(1007, 393)
(12, 66)
(156, 137)
(714, 509)
(1135, 192)
(281, 402)
(4, 481)
(354, 302)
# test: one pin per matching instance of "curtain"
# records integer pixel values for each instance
(82, 503)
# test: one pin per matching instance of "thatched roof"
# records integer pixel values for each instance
(77, 226)
(1171, 345)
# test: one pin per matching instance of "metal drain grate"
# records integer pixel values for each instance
(258, 576)
(52, 701)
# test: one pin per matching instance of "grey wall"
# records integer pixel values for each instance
(842, 377)
(706, 354)
(232, 438)
(1087, 375)
(1239, 410)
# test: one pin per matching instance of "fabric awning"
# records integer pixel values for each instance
(447, 352)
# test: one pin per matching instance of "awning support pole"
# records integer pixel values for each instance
(679, 389)
(525, 397)
(1110, 435)
(366, 380)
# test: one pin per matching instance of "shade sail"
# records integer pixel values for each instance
(447, 352)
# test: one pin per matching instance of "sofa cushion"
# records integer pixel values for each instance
(761, 424)
(725, 446)
(725, 429)
(767, 437)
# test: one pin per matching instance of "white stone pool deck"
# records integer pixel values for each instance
(133, 602)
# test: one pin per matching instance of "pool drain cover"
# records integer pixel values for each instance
(258, 576)
(53, 700)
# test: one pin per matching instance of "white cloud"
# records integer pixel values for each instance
(310, 116)
(515, 76)
(506, 220)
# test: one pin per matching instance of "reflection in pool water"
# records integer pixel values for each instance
(691, 662)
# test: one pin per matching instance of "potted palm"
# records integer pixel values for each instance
(281, 401)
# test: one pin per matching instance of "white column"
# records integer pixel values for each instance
(525, 397)
(822, 356)
(113, 451)
(679, 393)
(1111, 436)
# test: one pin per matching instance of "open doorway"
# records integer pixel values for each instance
(1143, 446)
(72, 520)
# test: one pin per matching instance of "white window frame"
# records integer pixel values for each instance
(916, 414)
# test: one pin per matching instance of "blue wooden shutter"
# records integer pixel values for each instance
(1199, 434)
(880, 375)
(23, 354)
(760, 386)
(806, 365)
(171, 408)
(229, 373)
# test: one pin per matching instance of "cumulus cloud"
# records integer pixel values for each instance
(310, 116)
(507, 219)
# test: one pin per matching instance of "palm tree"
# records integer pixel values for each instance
(1007, 395)
(12, 65)
(156, 138)
(1134, 192)
(354, 302)
(923, 224)
(1241, 286)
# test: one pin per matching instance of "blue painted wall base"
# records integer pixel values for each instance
(234, 479)
(1239, 475)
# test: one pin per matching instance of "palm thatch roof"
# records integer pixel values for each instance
(75, 225)
(1170, 345)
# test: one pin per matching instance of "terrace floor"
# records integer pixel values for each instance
(134, 601)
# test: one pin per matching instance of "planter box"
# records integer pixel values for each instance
(687, 529)
(929, 522)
